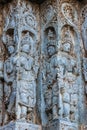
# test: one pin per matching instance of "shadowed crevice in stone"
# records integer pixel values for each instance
(36, 1)
(5, 1)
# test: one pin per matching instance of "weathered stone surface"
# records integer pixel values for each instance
(61, 125)
(43, 65)
(21, 126)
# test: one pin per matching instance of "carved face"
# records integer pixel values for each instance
(10, 50)
(51, 50)
(25, 48)
(66, 47)
(27, 41)
(8, 40)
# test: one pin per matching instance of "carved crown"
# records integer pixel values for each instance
(51, 38)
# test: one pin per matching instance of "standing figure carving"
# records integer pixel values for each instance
(51, 73)
(66, 38)
(10, 74)
(84, 33)
(21, 65)
(26, 79)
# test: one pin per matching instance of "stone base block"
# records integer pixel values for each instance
(65, 125)
(61, 125)
(21, 126)
(52, 126)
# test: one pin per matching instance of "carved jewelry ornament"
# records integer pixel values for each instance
(69, 13)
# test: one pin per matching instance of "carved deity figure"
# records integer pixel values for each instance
(26, 79)
(84, 34)
(66, 38)
(10, 82)
(85, 71)
(52, 76)
(21, 65)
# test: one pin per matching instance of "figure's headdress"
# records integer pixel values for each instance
(51, 39)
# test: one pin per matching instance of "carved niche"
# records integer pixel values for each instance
(51, 93)
(68, 75)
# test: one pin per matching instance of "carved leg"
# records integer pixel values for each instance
(23, 112)
(66, 111)
(55, 114)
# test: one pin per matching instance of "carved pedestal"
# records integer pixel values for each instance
(61, 125)
(21, 126)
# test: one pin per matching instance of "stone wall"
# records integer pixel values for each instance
(43, 71)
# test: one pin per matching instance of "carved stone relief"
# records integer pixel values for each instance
(84, 28)
(21, 66)
(40, 66)
(69, 13)
(67, 44)
(84, 60)
(48, 14)
(52, 88)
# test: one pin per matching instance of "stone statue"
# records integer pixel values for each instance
(85, 71)
(10, 74)
(84, 34)
(66, 39)
(21, 66)
(52, 76)
(26, 80)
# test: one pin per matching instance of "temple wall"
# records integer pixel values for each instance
(43, 65)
